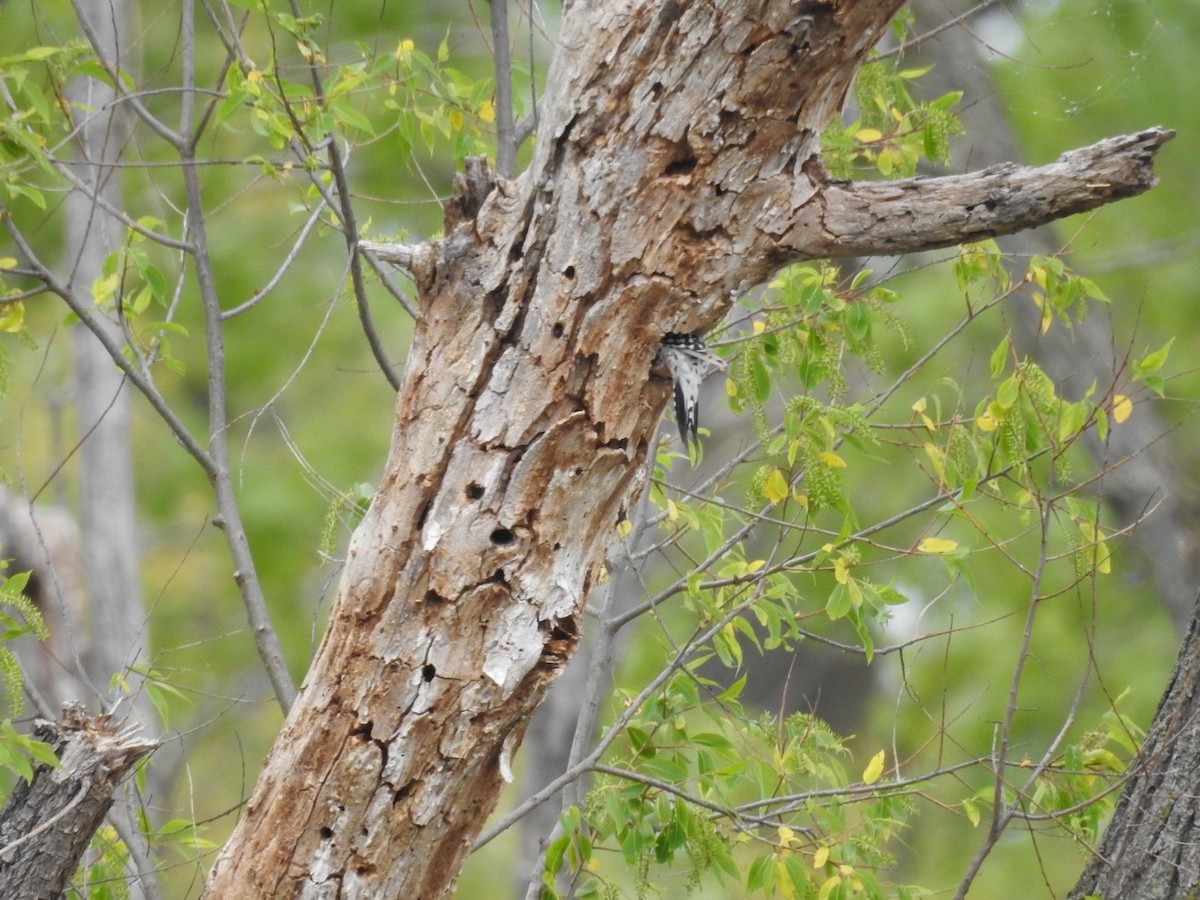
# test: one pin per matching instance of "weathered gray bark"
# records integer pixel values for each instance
(1151, 848)
(47, 824)
(677, 163)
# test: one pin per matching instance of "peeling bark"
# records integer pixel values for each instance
(47, 824)
(676, 165)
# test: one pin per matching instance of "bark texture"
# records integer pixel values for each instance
(1151, 848)
(676, 164)
(47, 824)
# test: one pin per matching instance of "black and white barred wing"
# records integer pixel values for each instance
(689, 360)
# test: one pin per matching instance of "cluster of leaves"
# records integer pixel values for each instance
(18, 617)
(425, 101)
(893, 132)
(31, 127)
(690, 782)
(32, 124)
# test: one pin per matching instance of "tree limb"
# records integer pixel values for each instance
(418, 260)
(916, 214)
(47, 823)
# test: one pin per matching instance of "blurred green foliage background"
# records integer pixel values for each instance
(313, 413)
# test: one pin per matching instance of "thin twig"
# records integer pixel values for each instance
(113, 70)
(90, 319)
(934, 32)
(293, 254)
(1001, 811)
(229, 516)
(346, 213)
(506, 142)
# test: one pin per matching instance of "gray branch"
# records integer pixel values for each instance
(918, 214)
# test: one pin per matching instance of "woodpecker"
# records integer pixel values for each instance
(689, 359)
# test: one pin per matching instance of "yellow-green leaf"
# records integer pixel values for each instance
(986, 422)
(829, 886)
(776, 488)
(874, 768)
(487, 111)
(869, 135)
(40, 53)
(972, 810)
(12, 316)
(937, 545)
(820, 857)
(832, 460)
(1122, 408)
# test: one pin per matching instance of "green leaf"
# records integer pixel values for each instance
(761, 874)
(999, 356)
(1152, 362)
(1009, 390)
(839, 603)
(760, 377)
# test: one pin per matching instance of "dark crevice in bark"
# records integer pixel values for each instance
(502, 537)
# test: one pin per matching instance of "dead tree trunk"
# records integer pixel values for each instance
(676, 165)
(47, 823)
(1151, 848)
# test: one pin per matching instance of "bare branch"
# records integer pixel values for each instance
(917, 214)
(229, 517)
(418, 260)
(292, 256)
(91, 320)
(506, 142)
(112, 68)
